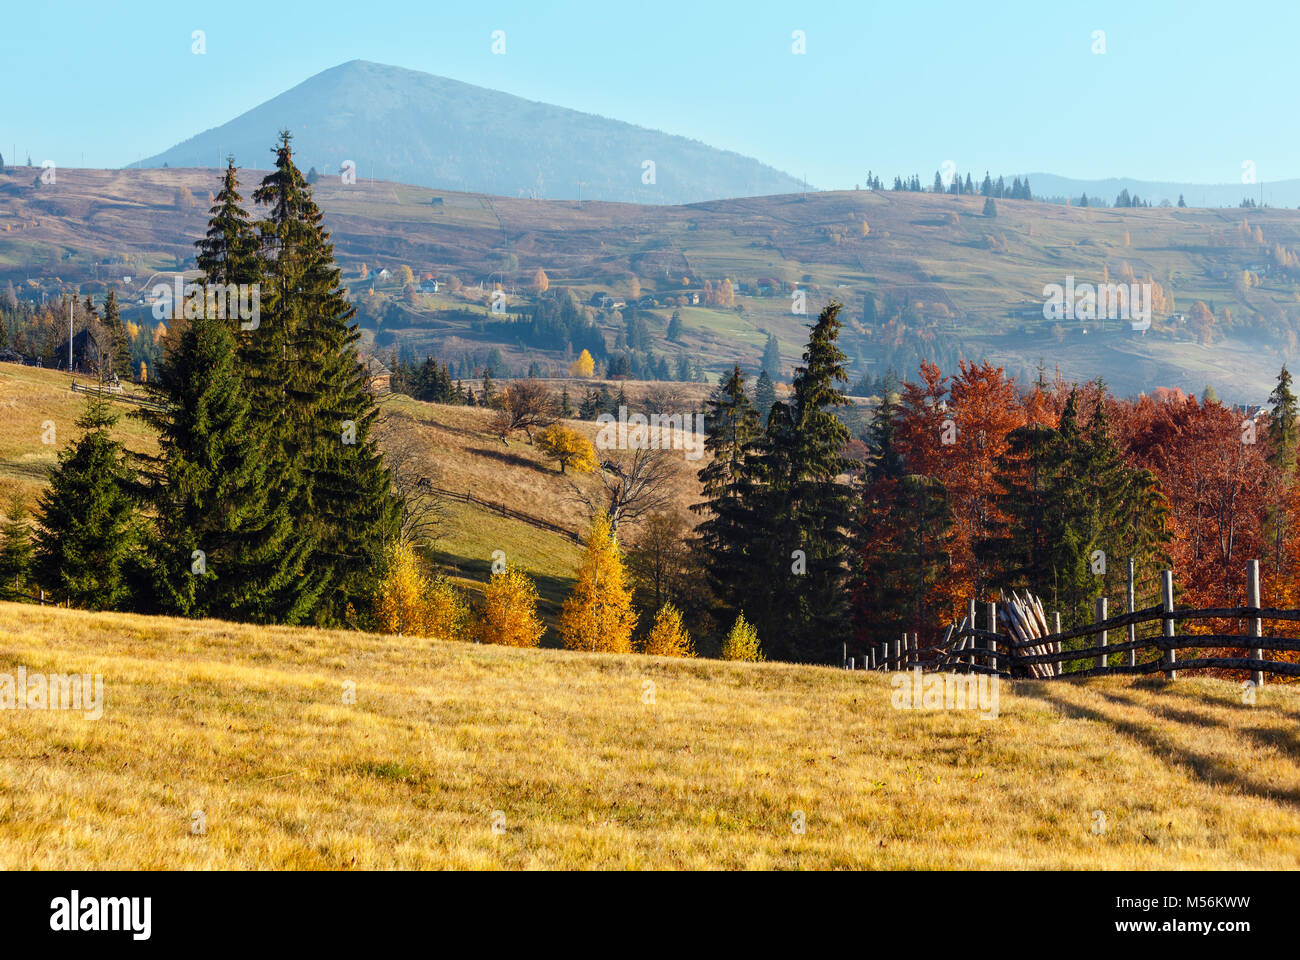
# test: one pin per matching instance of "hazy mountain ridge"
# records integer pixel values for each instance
(412, 127)
(1283, 193)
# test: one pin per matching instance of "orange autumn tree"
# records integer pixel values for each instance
(984, 407)
(903, 579)
(1217, 481)
(598, 615)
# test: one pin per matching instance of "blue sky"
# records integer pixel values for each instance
(1185, 91)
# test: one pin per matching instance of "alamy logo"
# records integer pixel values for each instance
(1105, 301)
(52, 691)
(194, 300)
(659, 431)
(914, 690)
(74, 913)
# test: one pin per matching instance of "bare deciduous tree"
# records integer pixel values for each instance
(665, 398)
(524, 405)
(635, 484)
(415, 479)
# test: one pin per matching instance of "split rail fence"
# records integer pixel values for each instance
(503, 510)
(983, 642)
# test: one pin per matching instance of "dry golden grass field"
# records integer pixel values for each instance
(596, 761)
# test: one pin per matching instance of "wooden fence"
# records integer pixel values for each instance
(992, 649)
(120, 396)
(503, 510)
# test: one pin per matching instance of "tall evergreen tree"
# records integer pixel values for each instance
(87, 537)
(120, 349)
(731, 425)
(222, 546)
(804, 509)
(228, 252)
(1283, 445)
(1075, 512)
(771, 363)
(307, 371)
(675, 327)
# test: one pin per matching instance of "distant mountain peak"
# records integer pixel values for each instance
(404, 125)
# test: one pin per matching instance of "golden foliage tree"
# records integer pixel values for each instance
(400, 605)
(568, 448)
(598, 615)
(508, 614)
(409, 604)
(584, 366)
(446, 612)
(741, 642)
(668, 638)
(541, 282)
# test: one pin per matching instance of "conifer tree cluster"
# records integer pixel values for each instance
(778, 507)
(268, 499)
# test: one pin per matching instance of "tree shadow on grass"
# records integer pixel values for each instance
(1268, 737)
(1261, 705)
(513, 459)
(1206, 769)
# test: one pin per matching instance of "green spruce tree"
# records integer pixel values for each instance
(731, 428)
(1283, 443)
(86, 539)
(222, 547)
(15, 552)
(804, 508)
(344, 502)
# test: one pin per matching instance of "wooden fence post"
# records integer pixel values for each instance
(871, 664)
(1256, 625)
(898, 654)
(970, 619)
(1101, 634)
(907, 654)
(884, 655)
(1056, 628)
(993, 628)
(1171, 655)
(1132, 606)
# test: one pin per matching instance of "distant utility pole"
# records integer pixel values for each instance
(579, 191)
(70, 299)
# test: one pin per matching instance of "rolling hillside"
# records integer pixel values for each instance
(969, 285)
(467, 756)
(453, 445)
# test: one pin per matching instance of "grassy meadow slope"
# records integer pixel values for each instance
(564, 753)
(30, 398)
(456, 449)
(938, 250)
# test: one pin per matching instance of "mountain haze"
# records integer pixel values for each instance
(412, 127)
(1280, 193)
